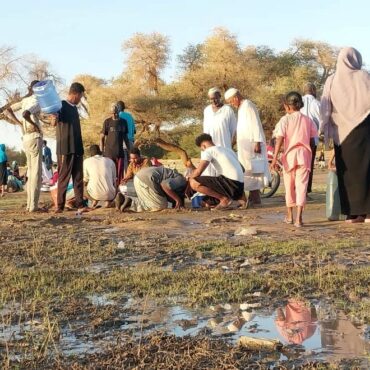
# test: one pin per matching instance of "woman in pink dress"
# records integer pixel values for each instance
(296, 131)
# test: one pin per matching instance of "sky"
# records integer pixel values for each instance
(85, 36)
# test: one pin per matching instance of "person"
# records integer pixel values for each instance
(32, 144)
(47, 156)
(297, 132)
(3, 169)
(219, 121)
(15, 170)
(113, 138)
(228, 185)
(99, 177)
(70, 148)
(311, 108)
(345, 113)
(131, 128)
(251, 145)
(137, 162)
(155, 188)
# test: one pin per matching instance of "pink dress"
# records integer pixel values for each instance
(297, 130)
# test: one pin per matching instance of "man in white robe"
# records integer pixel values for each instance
(311, 109)
(219, 122)
(251, 144)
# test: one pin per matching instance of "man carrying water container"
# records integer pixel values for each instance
(70, 147)
(32, 144)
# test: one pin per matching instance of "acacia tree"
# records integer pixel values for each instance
(318, 55)
(259, 72)
(147, 56)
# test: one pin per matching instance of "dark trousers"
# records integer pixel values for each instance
(70, 165)
(309, 186)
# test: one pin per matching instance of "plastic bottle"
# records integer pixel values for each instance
(47, 97)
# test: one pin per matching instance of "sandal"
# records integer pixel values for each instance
(299, 224)
(220, 207)
(287, 221)
(356, 220)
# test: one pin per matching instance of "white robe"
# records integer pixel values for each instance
(249, 132)
(221, 125)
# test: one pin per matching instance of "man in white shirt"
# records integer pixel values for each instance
(251, 144)
(228, 185)
(219, 122)
(32, 144)
(311, 109)
(99, 177)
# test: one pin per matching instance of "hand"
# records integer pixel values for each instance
(331, 166)
(273, 165)
(54, 119)
(257, 148)
(178, 205)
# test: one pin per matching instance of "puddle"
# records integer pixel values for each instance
(317, 331)
(100, 300)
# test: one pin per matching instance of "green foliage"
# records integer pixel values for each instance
(259, 72)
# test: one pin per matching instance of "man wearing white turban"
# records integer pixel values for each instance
(251, 144)
(219, 122)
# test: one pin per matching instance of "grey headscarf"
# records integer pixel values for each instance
(345, 102)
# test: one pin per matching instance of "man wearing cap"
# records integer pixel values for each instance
(219, 122)
(251, 144)
(32, 144)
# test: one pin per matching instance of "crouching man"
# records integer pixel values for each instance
(228, 185)
(155, 188)
(99, 177)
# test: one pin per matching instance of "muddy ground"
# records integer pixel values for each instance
(178, 289)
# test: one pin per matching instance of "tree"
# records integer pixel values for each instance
(147, 56)
(318, 55)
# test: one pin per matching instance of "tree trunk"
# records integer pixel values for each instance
(186, 160)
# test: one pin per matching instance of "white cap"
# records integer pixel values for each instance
(230, 93)
(214, 90)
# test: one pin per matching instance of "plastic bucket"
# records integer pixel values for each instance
(47, 97)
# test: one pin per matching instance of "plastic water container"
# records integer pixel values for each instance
(196, 201)
(333, 208)
(47, 97)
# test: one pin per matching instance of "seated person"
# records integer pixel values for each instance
(155, 187)
(229, 184)
(99, 177)
(137, 162)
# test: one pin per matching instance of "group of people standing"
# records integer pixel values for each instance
(222, 176)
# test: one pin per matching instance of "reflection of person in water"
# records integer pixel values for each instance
(343, 338)
(297, 323)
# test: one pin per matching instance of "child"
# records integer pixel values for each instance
(296, 131)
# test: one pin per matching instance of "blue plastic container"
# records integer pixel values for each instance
(196, 202)
(47, 97)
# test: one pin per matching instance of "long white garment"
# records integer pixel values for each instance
(221, 125)
(311, 109)
(249, 132)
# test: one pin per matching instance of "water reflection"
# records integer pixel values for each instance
(322, 331)
(343, 339)
(297, 322)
